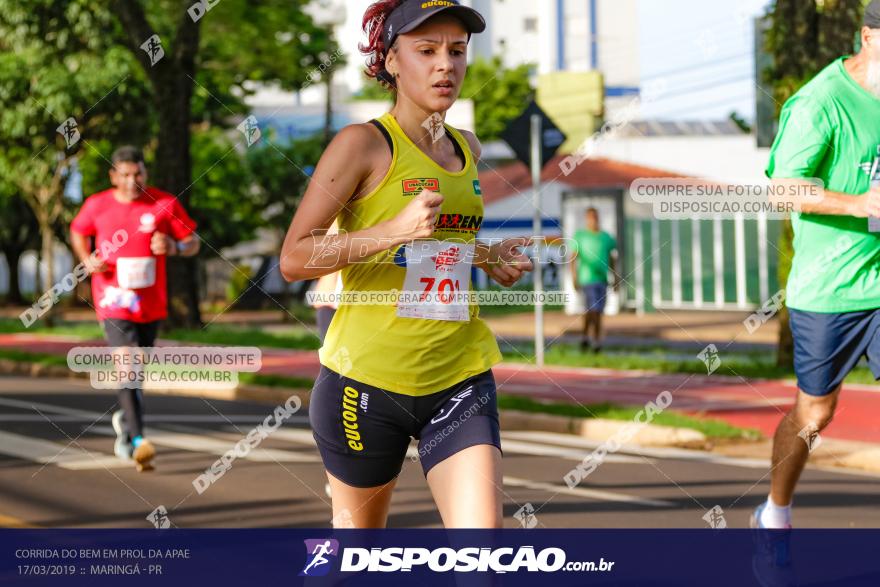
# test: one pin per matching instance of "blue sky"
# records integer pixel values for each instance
(704, 50)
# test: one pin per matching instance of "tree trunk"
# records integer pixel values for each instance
(172, 80)
(173, 173)
(328, 106)
(13, 256)
(48, 257)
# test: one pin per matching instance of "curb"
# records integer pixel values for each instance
(601, 430)
(865, 459)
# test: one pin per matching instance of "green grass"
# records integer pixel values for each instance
(570, 355)
(227, 335)
(750, 365)
(213, 334)
(40, 358)
(254, 378)
(861, 375)
(81, 329)
(489, 311)
(294, 312)
(492, 310)
(713, 429)
(276, 380)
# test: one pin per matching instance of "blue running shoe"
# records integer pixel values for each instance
(122, 447)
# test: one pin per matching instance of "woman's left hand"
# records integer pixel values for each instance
(506, 263)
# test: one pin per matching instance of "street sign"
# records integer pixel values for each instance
(517, 134)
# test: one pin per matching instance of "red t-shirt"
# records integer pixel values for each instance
(144, 298)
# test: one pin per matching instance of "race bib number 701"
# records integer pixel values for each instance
(437, 281)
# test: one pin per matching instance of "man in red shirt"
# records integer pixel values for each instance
(128, 283)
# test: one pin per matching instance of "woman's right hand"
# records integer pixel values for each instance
(418, 218)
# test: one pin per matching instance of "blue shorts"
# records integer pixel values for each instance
(594, 296)
(828, 346)
(363, 432)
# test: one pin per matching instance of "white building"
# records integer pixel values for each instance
(668, 264)
(553, 35)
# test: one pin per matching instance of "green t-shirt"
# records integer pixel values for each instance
(830, 130)
(594, 251)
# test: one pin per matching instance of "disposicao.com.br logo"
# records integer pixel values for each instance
(443, 559)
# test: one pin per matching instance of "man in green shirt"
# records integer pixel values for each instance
(590, 264)
(829, 130)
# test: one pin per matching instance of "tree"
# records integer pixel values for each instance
(804, 36)
(59, 83)
(372, 90)
(242, 42)
(280, 174)
(499, 95)
(198, 66)
(18, 232)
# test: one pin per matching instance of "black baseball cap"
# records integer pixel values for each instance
(872, 15)
(412, 13)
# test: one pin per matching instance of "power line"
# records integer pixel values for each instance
(710, 85)
(697, 108)
(690, 68)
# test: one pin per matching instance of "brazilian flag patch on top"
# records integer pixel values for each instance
(477, 189)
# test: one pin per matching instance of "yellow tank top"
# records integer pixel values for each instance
(370, 343)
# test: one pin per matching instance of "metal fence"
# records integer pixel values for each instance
(701, 264)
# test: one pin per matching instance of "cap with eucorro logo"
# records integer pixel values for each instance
(412, 13)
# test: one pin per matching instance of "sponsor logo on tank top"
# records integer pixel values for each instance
(477, 189)
(458, 222)
(414, 186)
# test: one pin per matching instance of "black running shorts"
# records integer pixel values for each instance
(363, 432)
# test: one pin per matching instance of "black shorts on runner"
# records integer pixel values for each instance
(363, 432)
(120, 332)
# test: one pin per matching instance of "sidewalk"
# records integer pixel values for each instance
(748, 403)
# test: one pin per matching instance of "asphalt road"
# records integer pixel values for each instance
(57, 469)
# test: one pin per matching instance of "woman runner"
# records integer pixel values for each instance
(405, 192)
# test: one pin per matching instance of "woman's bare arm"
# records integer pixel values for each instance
(308, 251)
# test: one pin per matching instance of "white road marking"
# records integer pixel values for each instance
(533, 448)
(218, 444)
(639, 451)
(51, 408)
(48, 452)
(584, 492)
